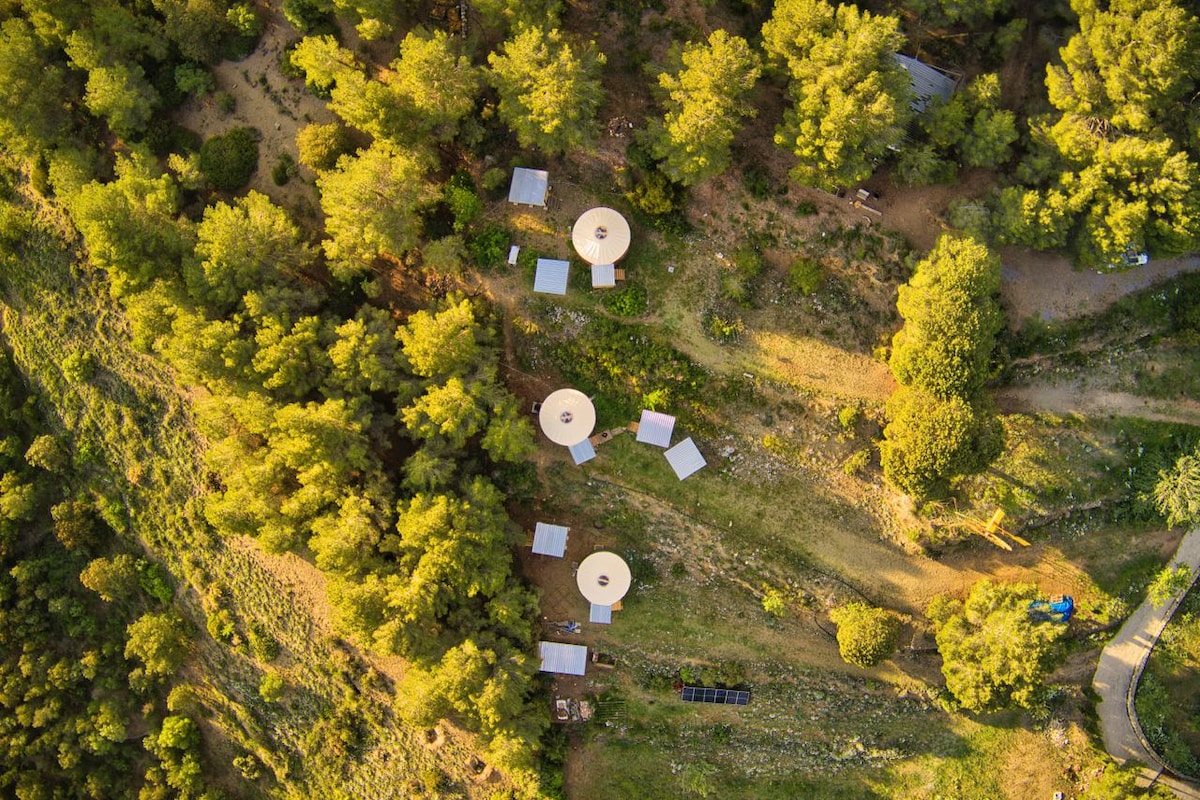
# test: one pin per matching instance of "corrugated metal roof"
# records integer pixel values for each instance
(655, 428)
(513, 252)
(550, 540)
(927, 82)
(604, 276)
(685, 458)
(551, 276)
(582, 451)
(529, 186)
(601, 615)
(564, 659)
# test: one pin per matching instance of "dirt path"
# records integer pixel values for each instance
(1045, 286)
(1075, 398)
(1120, 668)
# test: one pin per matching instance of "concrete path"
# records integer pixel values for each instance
(1120, 667)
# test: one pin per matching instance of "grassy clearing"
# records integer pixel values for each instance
(333, 731)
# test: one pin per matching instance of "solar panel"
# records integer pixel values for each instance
(704, 694)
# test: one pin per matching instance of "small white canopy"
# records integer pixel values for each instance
(601, 236)
(513, 252)
(655, 428)
(685, 458)
(582, 451)
(564, 659)
(604, 276)
(603, 578)
(550, 540)
(601, 615)
(551, 276)
(529, 187)
(567, 417)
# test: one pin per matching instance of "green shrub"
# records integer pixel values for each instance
(866, 635)
(493, 180)
(284, 169)
(655, 195)
(489, 247)
(628, 301)
(747, 261)
(848, 417)
(225, 103)
(464, 204)
(773, 602)
(228, 161)
(856, 462)
(805, 276)
(309, 16)
(193, 79)
(758, 183)
(725, 327)
(263, 645)
(272, 687)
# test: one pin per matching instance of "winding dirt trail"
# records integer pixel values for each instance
(1044, 286)
(1075, 398)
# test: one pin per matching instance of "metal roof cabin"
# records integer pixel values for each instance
(564, 659)
(685, 458)
(550, 540)
(551, 276)
(655, 428)
(928, 82)
(529, 187)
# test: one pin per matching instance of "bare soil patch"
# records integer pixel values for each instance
(271, 103)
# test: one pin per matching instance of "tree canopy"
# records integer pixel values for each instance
(951, 317)
(549, 88)
(371, 202)
(851, 99)
(704, 107)
(993, 654)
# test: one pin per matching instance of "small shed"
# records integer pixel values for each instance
(551, 276)
(513, 252)
(564, 659)
(927, 82)
(529, 187)
(550, 540)
(685, 458)
(604, 276)
(601, 615)
(655, 428)
(582, 451)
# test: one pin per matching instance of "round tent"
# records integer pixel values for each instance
(603, 578)
(567, 417)
(601, 236)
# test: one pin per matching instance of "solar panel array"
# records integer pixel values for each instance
(703, 694)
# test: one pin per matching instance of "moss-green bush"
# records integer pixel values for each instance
(228, 161)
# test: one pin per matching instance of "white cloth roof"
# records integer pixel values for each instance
(604, 276)
(582, 451)
(601, 615)
(655, 428)
(529, 186)
(601, 235)
(603, 578)
(567, 417)
(550, 540)
(565, 659)
(551, 276)
(685, 458)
